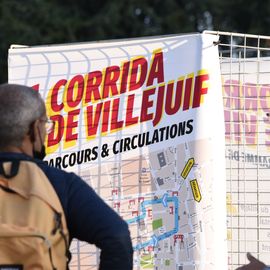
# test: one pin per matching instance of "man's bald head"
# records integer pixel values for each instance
(20, 106)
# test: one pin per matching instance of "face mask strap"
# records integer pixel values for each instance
(37, 154)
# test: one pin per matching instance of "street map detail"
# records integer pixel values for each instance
(164, 197)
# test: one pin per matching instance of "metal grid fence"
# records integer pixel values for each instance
(245, 69)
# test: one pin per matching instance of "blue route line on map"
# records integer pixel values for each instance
(155, 239)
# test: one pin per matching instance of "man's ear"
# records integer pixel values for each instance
(33, 130)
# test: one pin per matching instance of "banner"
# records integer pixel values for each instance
(141, 121)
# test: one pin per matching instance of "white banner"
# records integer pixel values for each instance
(142, 122)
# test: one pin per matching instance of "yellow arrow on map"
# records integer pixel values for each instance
(196, 190)
(187, 168)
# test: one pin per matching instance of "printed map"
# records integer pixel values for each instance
(164, 197)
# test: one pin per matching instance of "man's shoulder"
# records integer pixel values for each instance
(51, 172)
(56, 174)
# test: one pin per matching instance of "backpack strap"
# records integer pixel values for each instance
(13, 170)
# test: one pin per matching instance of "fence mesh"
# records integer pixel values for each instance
(245, 69)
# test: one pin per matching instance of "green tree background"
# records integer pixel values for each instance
(35, 22)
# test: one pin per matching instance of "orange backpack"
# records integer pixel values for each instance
(33, 230)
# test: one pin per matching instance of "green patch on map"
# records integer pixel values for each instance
(147, 262)
(157, 223)
(167, 262)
